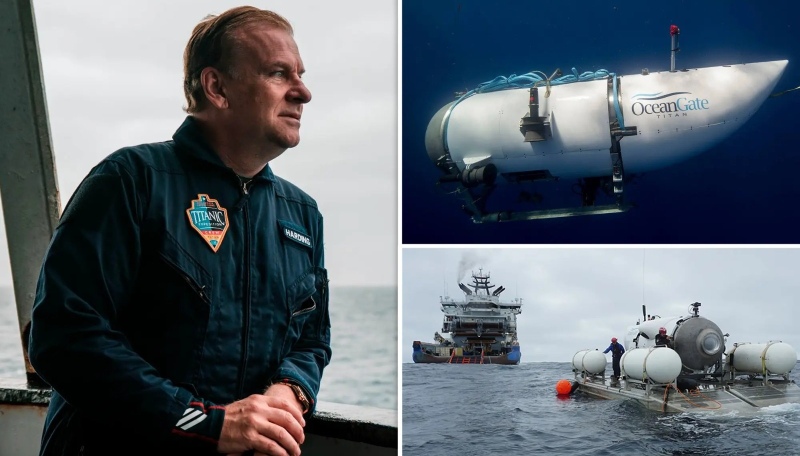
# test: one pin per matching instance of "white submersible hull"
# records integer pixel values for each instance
(595, 130)
(696, 373)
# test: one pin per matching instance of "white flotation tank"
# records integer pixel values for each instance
(589, 360)
(776, 357)
(659, 364)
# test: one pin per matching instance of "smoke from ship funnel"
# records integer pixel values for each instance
(468, 261)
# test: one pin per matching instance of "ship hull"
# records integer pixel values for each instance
(425, 358)
(419, 356)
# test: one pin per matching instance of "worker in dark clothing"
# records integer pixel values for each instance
(662, 339)
(616, 350)
(182, 305)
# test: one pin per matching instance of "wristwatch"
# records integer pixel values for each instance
(298, 392)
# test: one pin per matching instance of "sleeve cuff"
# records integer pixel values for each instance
(200, 425)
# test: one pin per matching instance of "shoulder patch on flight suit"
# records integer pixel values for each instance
(209, 219)
(295, 233)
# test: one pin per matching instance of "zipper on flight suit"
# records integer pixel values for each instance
(199, 289)
(246, 310)
(304, 310)
(245, 196)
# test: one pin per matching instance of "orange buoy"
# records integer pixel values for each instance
(563, 387)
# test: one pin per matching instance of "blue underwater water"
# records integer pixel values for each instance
(742, 190)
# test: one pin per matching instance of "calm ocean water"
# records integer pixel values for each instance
(363, 369)
(513, 410)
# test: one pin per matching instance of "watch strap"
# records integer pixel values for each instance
(299, 394)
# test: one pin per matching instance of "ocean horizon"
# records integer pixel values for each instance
(363, 368)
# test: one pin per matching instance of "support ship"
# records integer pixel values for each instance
(478, 330)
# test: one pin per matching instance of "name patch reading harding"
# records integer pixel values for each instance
(295, 233)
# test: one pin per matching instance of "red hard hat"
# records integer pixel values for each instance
(662, 330)
(613, 339)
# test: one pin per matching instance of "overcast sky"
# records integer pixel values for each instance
(577, 298)
(113, 78)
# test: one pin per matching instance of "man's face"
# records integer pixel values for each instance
(265, 93)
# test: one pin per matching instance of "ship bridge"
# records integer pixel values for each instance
(481, 318)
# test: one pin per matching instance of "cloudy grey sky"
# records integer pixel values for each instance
(577, 298)
(113, 78)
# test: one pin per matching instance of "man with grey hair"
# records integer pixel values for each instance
(182, 304)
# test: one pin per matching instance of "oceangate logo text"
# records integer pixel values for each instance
(680, 106)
